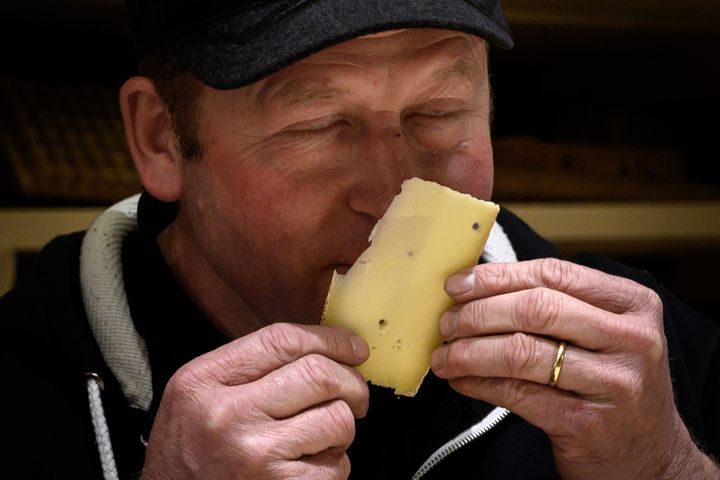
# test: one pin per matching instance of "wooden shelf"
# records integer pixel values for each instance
(611, 228)
(623, 227)
(688, 15)
(27, 230)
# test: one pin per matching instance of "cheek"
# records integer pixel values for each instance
(253, 207)
(469, 169)
(262, 210)
(223, 202)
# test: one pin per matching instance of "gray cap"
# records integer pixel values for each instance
(227, 44)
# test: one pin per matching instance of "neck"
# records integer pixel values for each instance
(222, 305)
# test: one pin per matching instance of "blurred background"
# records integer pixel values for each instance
(606, 129)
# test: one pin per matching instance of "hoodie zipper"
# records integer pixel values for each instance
(472, 433)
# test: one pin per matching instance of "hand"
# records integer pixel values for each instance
(612, 413)
(277, 403)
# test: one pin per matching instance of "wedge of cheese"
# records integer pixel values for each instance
(393, 295)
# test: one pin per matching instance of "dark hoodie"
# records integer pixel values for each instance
(46, 348)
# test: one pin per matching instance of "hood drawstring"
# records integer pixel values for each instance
(102, 434)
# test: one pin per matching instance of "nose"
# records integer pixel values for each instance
(383, 163)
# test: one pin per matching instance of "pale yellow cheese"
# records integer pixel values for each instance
(393, 295)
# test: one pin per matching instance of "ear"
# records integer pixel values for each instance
(151, 139)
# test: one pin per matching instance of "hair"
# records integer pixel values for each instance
(179, 91)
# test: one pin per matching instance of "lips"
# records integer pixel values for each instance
(341, 268)
(344, 262)
(348, 253)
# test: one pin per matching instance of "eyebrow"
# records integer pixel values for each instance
(296, 92)
(303, 94)
(461, 68)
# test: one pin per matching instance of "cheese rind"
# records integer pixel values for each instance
(393, 296)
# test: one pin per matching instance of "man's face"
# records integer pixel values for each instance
(298, 168)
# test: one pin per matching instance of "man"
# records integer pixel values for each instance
(270, 137)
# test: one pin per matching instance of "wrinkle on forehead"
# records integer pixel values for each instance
(410, 49)
(398, 43)
(290, 90)
(305, 82)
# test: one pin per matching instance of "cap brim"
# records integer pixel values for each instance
(228, 53)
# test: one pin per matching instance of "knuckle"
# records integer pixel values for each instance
(319, 373)
(490, 276)
(470, 316)
(253, 452)
(653, 343)
(341, 421)
(332, 464)
(539, 309)
(218, 414)
(641, 298)
(222, 368)
(650, 301)
(581, 418)
(646, 339)
(555, 274)
(343, 467)
(283, 340)
(619, 382)
(657, 351)
(633, 387)
(184, 383)
(626, 381)
(459, 354)
(626, 289)
(520, 355)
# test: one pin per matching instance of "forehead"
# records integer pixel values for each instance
(437, 54)
(392, 44)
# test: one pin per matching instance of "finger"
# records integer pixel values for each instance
(553, 410)
(330, 425)
(331, 464)
(256, 354)
(519, 356)
(311, 380)
(615, 294)
(538, 310)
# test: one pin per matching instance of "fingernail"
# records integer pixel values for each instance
(448, 324)
(460, 283)
(438, 359)
(359, 346)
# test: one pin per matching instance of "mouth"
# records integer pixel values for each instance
(341, 268)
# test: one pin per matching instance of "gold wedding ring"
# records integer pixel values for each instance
(559, 358)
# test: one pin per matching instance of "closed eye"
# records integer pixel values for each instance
(316, 128)
(440, 113)
(440, 130)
